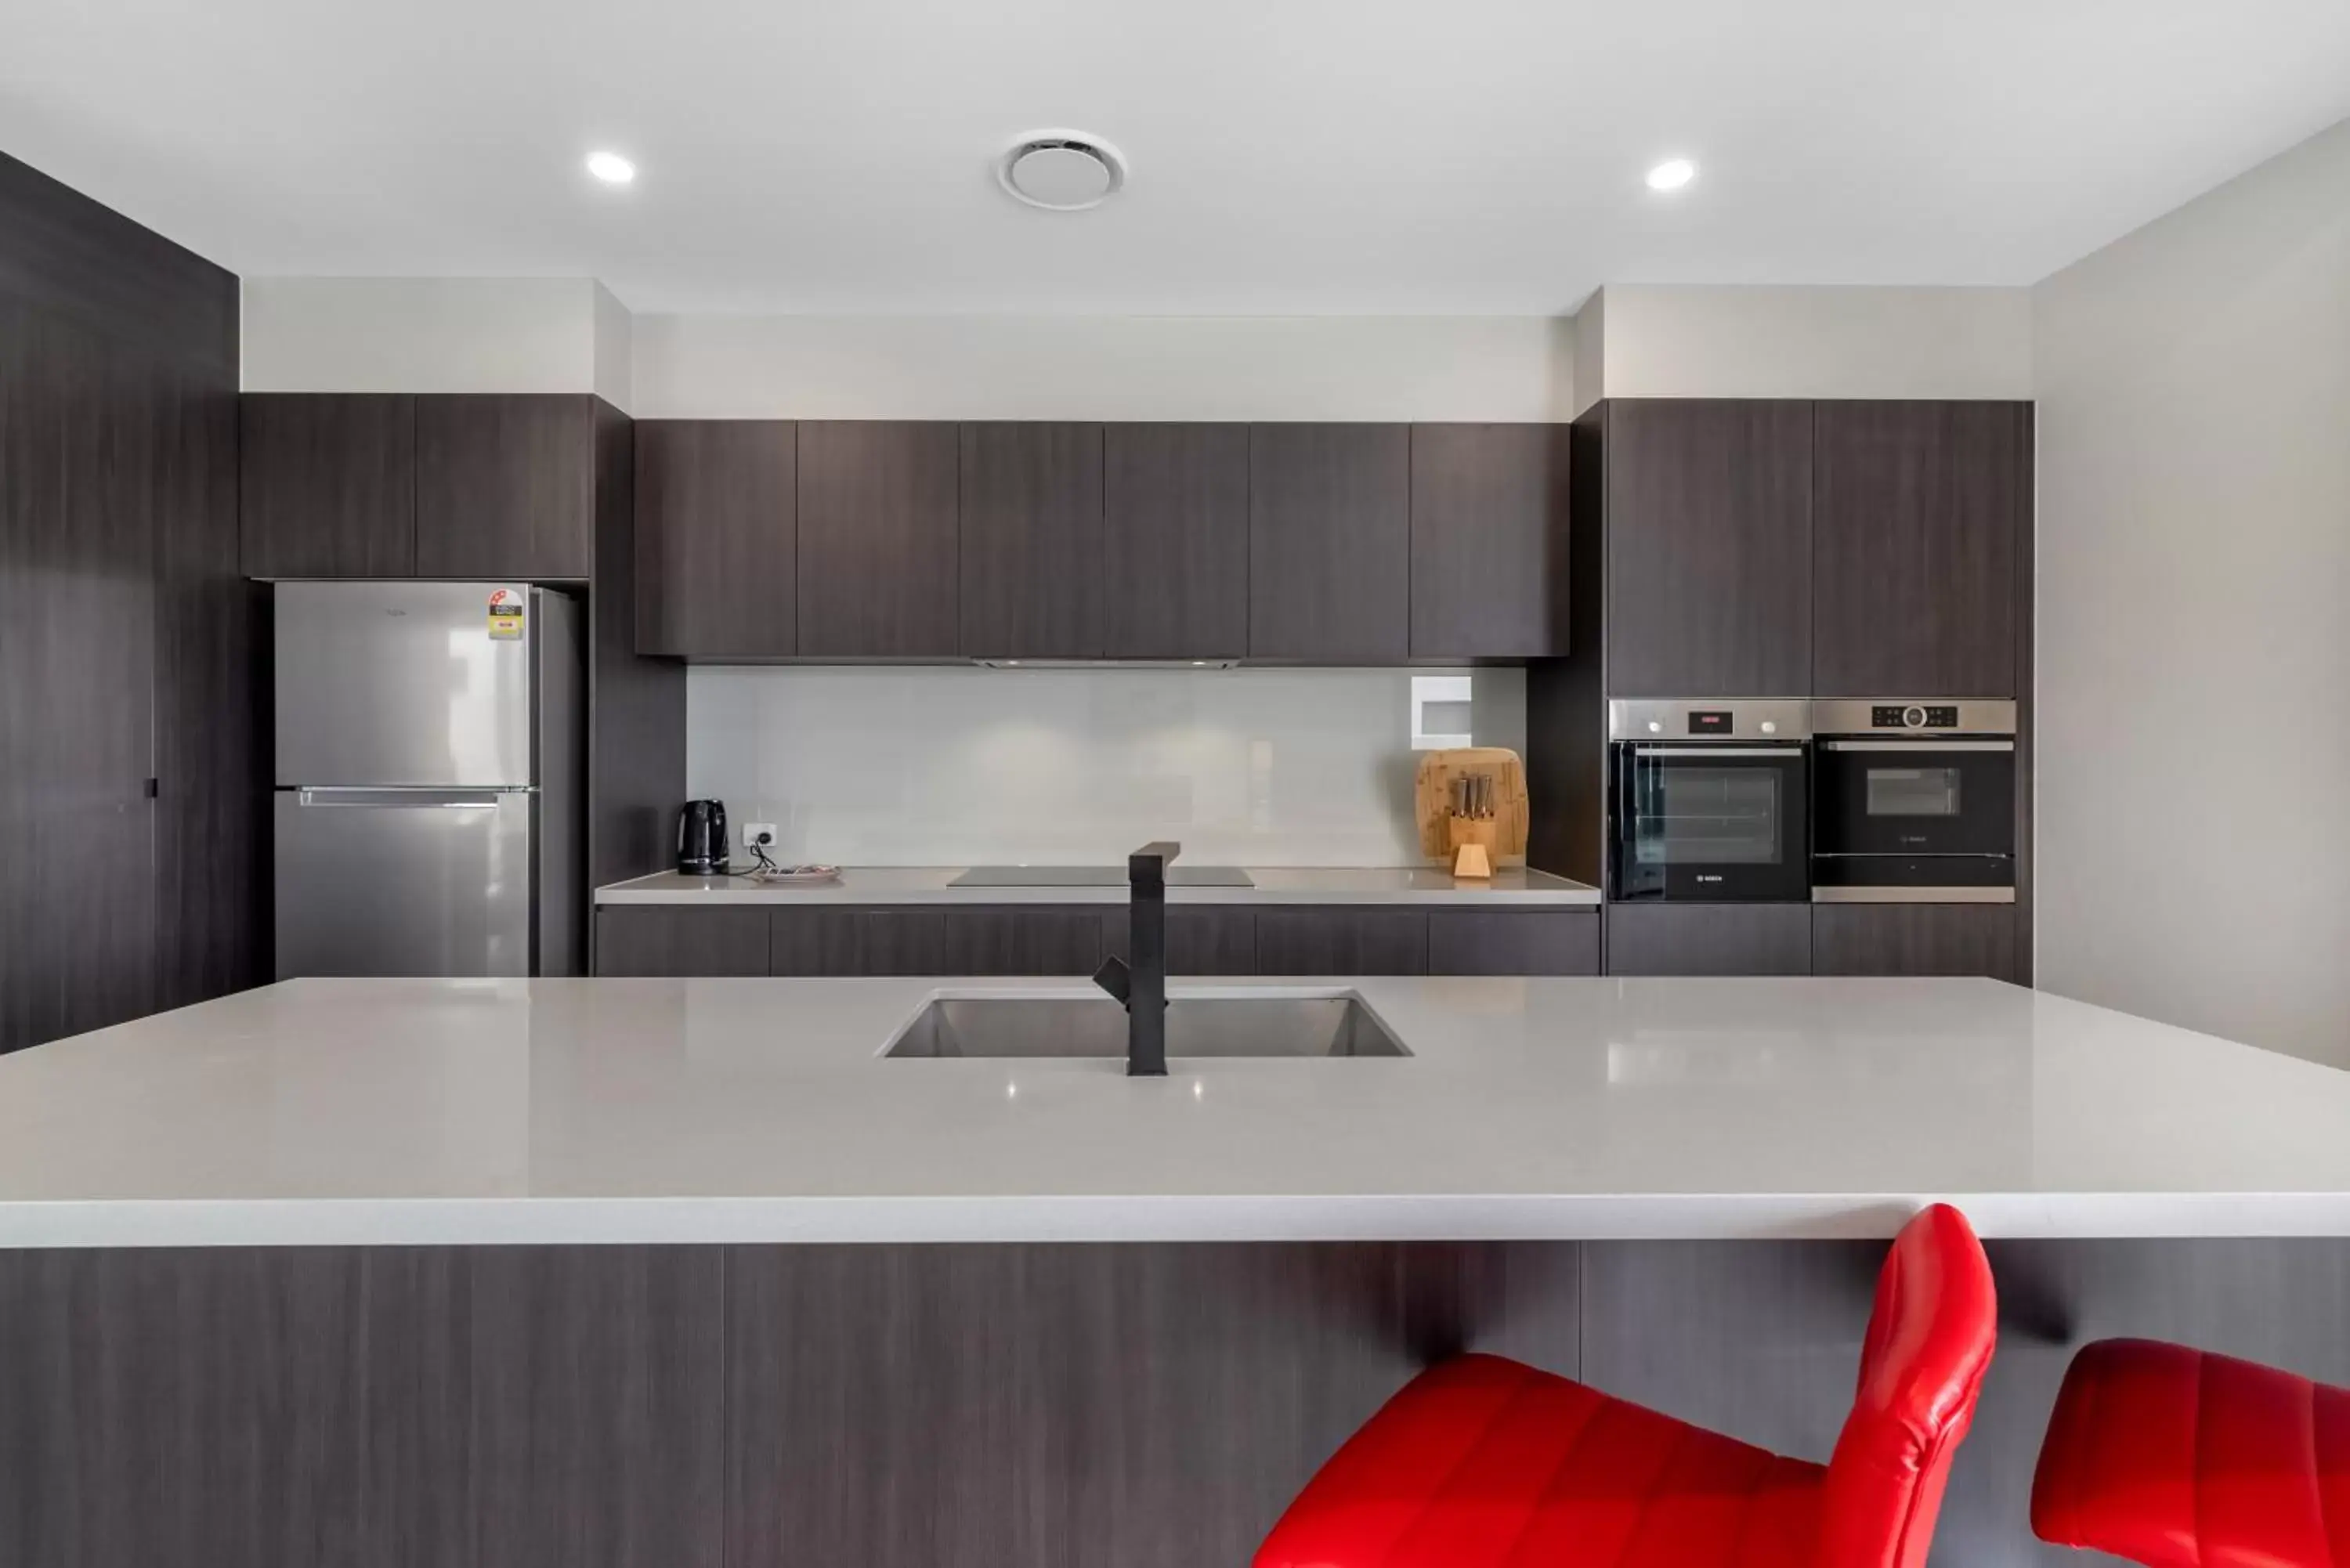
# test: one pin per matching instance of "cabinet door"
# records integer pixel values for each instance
(1488, 511)
(1709, 549)
(1914, 939)
(716, 538)
(1175, 540)
(327, 485)
(659, 940)
(1330, 543)
(877, 575)
(1201, 939)
(1032, 540)
(856, 942)
(505, 485)
(1917, 538)
(1023, 940)
(1709, 938)
(1341, 942)
(1514, 941)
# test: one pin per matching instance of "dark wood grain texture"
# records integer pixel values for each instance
(879, 576)
(1915, 938)
(856, 942)
(2027, 705)
(327, 484)
(1023, 939)
(667, 939)
(717, 538)
(1201, 939)
(85, 439)
(78, 260)
(505, 485)
(1566, 699)
(1514, 941)
(1330, 543)
(1341, 942)
(1175, 543)
(635, 770)
(1489, 541)
(1916, 528)
(1709, 938)
(1709, 549)
(1030, 543)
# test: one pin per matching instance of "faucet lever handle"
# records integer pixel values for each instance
(1113, 977)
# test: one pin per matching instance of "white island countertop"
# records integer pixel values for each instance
(1510, 887)
(758, 1110)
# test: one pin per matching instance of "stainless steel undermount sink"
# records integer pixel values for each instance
(1273, 1023)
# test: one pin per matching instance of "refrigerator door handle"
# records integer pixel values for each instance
(444, 799)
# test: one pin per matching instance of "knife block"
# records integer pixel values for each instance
(1442, 836)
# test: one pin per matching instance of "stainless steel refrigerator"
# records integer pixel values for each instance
(430, 769)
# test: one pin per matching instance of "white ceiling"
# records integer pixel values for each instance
(1288, 156)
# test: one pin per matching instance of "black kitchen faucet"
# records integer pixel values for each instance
(1140, 980)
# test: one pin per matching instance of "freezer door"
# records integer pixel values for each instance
(402, 684)
(404, 882)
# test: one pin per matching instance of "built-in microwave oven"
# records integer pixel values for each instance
(1707, 801)
(1913, 801)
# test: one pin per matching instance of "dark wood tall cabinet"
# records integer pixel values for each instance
(1175, 540)
(1917, 545)
(505, 485)
(1489, 541)
(130, 763)
(1330, 543)
(717, 537)
(879, 573)
(1708, 515)
(1030, 544)
(329, 484)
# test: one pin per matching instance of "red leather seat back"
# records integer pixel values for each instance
(1921, 1369)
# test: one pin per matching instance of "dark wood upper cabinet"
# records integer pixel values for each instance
(327, 485)
(1489, 541)
(877, 554)
(1709, 532)
(1917, 538)
(505, 485)
(1031, 540)
(1175, 540)
(717, 538)
(1330, 543)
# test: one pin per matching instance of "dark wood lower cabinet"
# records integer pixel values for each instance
(1201, 939)
(1495, 942)
(1709, 938)
(1151, 1406)
(1916, 939)
(827, 943)
(1013, 941)
(1342, 941)
(669, 939)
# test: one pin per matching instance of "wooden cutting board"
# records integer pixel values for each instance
(1432, 800)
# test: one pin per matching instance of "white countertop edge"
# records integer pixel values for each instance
(692, 1221)
(1476, 898)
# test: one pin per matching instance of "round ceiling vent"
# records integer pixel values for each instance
(1061, 171)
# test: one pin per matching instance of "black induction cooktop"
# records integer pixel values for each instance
(1096, 877)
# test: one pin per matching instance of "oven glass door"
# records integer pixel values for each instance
(1710, 824)
(1914, 797)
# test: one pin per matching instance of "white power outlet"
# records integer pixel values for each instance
(758, 836)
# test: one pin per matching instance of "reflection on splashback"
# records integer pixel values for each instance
(955, 767)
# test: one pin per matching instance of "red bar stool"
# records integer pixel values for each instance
(2178, 1459)
(1486, 1463)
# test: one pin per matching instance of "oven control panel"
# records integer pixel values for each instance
(1913, 716)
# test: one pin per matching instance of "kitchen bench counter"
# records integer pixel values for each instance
(424, 1111)
(1511, 887)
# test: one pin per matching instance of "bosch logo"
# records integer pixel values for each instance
(1704, 876)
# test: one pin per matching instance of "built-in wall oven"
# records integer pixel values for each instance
(1707, 800)
(1913, 802)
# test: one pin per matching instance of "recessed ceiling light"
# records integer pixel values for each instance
(1061, 171)
(611, 168)
(1671, 174)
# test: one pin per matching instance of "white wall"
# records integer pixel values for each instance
(954, 766)
(1104, 368)
(2194, 571)
(1675, 341)
(427, 335)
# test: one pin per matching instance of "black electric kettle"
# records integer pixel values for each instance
(702, 838)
